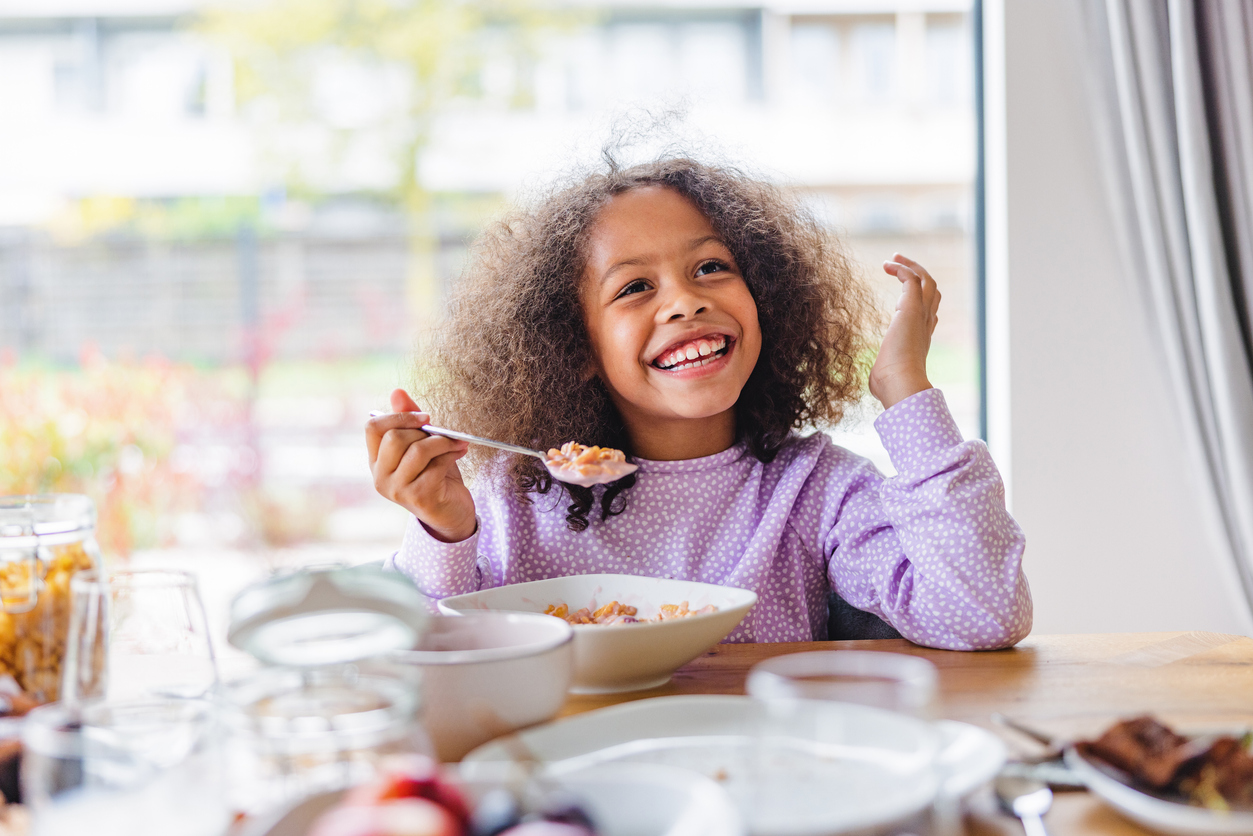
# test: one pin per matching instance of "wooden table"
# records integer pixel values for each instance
(1070, 686)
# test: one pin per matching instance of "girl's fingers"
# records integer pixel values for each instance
(421, 469)
(431, 452)
(379, 425)
(393, 447)
(912, 291)
(407, 452)
(904, 268)
(910, 278)
(401, 402)
(901, 271)
(906, 274)
(909, 262)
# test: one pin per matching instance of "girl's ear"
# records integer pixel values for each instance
(590, 371)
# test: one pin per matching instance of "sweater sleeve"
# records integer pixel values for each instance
(932, 551)
(438, 569)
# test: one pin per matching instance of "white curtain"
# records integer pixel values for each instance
(1174, 81)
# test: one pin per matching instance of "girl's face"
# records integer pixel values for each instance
(673, 326)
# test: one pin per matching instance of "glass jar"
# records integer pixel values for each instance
(44, 541)
(294, 732)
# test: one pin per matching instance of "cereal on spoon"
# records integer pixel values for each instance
(580, 464)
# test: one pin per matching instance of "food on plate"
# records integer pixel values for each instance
(411, 798)
(32, 636)
(499, 813)
(408, 798)
(1213, 772)
(590, 463)
(393, 817)
(411, 776)
(615, 613)
(546, 828)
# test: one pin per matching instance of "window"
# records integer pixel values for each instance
(815, 49)
(872, 48)
(278, 272)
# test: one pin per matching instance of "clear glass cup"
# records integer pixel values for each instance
(789, 688)
(294, 732)
(85, 672)
(892, 681)
(52, 756)
(128, 768)
(158, 642)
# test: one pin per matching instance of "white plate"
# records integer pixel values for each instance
(623, 800)
(821, 768)
(623, 657)
(969, 757)
(1156, 813)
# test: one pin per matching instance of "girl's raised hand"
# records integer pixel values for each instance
(900, 370)
(419, 471)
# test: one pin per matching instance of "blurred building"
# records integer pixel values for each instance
(145, 209)
(863, 107)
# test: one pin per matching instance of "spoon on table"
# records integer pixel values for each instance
(1046, 766)
(605, 471)
(1026, 798)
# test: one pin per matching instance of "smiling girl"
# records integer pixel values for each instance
(698, 319)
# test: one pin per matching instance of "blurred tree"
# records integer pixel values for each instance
(345, 91)
(108, 429)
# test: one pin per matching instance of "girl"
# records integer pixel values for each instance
(696, 319)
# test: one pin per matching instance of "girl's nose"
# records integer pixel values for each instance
(682, 302)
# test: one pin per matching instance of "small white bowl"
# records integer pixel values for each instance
(487, 674)
(623, 657)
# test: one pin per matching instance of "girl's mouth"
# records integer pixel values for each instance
(694, 354)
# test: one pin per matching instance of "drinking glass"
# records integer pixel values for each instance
(52, 754)
(157, 639)
(84, 673)
(788, 686)
(128, 768)
(892, 681)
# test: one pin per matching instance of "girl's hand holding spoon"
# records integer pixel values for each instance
(418, 471)
(425, 478)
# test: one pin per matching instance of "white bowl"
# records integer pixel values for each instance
(487, 674)
(623, 657)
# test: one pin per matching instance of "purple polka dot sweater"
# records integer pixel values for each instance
(932, 551)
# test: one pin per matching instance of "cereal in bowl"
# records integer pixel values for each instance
(616, 613)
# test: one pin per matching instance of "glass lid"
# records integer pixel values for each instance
(327, 617)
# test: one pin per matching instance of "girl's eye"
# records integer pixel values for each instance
(637, 286)
(711, 266)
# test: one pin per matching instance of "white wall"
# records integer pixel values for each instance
(1119, 536)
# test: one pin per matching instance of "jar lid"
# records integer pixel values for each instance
(327, 617)
(45, 519)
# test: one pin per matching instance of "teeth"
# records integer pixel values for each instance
(698, 349)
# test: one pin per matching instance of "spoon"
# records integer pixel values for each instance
(1046, 766)
(1026, 798)
(604, 472)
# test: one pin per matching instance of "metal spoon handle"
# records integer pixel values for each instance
(1035, 734)
(474, 439)
(487, 442)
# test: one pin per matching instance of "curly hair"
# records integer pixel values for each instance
(509, 362)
